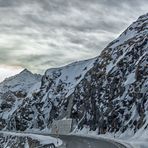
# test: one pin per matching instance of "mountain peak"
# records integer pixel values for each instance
(134, 31)
(143, 16)
(24, 80)
(26, 71)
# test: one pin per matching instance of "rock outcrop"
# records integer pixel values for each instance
(108, 93)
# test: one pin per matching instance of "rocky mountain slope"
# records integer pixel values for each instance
(108, 93)
(14, 90)
(20, 82)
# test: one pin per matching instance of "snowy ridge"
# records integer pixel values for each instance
(43, 97)
(69, 75)
(138, 27)
(22, 81)
(121, 102)
(13, 91)
(108, 94)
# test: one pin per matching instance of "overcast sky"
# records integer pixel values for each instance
(39, 34)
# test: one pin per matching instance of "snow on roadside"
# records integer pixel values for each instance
(128, 139)
(41, 138)
(140, 139)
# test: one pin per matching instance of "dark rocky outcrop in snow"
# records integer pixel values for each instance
(108, 93)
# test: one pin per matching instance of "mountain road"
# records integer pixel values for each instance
(72, 141)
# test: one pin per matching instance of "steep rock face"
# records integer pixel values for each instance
(108, 93)
(60, 84)
(115, 90)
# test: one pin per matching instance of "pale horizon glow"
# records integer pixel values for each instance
(42, 34)
(7, 71)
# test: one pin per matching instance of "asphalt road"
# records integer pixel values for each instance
(71, 141)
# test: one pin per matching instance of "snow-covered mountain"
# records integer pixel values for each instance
(14, 89)
(108, 93)
(20, 82)
(40, 94)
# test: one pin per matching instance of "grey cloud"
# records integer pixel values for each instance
(40, 34)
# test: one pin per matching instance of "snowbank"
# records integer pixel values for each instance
(129, 139)
(44, 140)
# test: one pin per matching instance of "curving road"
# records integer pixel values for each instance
(72, 141)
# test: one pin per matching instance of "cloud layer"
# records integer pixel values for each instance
(39, 34)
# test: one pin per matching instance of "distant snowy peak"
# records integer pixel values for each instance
(22, 81)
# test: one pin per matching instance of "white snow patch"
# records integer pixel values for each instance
(41, 138)
(130, 79)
